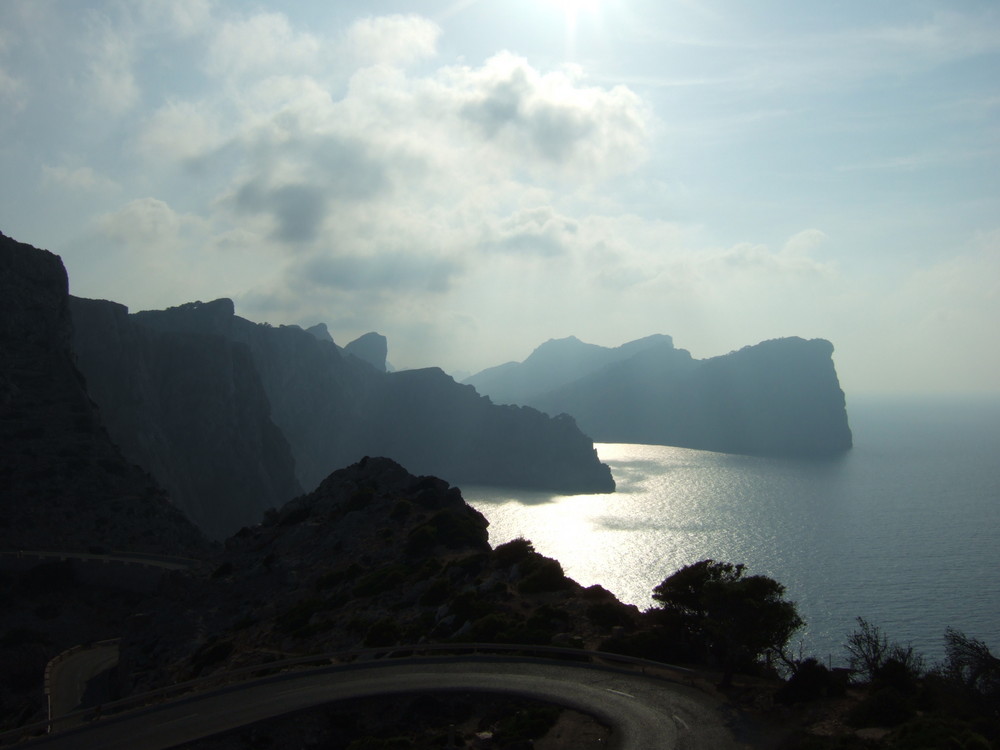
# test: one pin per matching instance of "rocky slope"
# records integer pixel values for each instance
(63, 484)
(375, 556)
(780, 397)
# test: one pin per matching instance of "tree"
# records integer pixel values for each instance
(870, 651)
(738, 617)
(970, 663)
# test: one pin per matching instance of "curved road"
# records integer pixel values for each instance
(644, 712)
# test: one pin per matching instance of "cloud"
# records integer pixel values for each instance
(261, 44)
(536, 231)
(392, 40)
(183, 18)
(148, 225)
(111, 53)
(11, 91)
(298, 209)
(314, 173)
(79, 178)
(393, 271)
(553, 116)
(181, 130)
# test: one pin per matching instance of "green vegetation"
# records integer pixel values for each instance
(736, 618)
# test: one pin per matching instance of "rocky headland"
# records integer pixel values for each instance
(777, 398)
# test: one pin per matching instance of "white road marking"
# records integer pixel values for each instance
(619, 692)
(681, 721)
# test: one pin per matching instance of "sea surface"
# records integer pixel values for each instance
(902, 530)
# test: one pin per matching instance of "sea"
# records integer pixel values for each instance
(902, 530)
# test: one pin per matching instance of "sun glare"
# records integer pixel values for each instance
(573, 8)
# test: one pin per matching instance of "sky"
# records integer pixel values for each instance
(473, 177)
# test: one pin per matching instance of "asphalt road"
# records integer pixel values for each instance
(645, 713)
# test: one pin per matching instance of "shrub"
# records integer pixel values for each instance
(547, 576)
(514, 551)
(811, 681)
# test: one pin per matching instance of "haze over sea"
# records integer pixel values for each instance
(902, 530)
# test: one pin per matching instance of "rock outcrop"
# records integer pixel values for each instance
(64, 485)
(780, 397)
(375, 556)
(371, 348)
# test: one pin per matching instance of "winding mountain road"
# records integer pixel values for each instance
(643, 712)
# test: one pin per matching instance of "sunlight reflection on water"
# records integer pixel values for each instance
(857, 535)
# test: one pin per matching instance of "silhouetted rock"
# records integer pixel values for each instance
(371, 348)
(188, 407)
(780, 397)
(334, 408)
(321, 332)
(554, 364)
(375, 556)
(63, 484)
(431, 423)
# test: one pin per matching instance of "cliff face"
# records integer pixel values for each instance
(63, 483)
(190, 408)
(334, 408)
(780, 397)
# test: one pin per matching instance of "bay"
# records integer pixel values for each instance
(901, 530)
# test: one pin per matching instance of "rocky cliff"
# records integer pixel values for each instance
(780, 397)
(332, 405)
(63, 483)
(191, 409)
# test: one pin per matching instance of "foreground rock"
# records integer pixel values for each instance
(778, 398)
(375, 556)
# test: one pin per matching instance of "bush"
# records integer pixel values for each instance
(513, 552)
(810, 682)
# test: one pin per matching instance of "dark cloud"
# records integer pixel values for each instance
(298, 210)
(552, 128)
(333, 170)
(391, 271)
(501, 105)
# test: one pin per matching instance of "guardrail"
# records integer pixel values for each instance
(354, 659)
